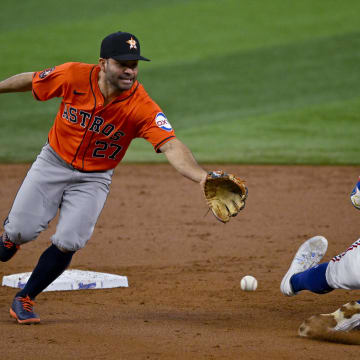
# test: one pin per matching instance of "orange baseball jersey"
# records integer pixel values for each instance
(89, 135)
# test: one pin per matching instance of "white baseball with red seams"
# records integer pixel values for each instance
(248, 283)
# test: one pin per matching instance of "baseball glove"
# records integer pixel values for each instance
(225, 194)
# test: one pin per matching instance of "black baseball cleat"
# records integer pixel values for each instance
(22, 310)
(7, 248)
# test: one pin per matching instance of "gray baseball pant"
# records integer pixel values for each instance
(50, 185)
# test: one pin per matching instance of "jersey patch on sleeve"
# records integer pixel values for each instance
(162, 122)
(46, 72)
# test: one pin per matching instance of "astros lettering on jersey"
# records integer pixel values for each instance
(89, 135)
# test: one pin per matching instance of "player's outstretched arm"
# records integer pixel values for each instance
(181, 158)
(17, 83)
(225, 193)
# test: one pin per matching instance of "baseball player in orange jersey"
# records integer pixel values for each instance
(103, 108)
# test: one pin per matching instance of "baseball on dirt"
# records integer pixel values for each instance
(248, 283)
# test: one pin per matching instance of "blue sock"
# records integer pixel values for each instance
(51, 265)
(312, 279)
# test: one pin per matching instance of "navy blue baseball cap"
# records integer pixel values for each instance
(121, 46)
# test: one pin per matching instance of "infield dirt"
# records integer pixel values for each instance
(184, 269)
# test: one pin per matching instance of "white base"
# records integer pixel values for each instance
(72, 280)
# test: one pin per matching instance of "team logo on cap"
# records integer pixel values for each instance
(132, 43)
(162, 122)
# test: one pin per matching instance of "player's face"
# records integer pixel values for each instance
(121, 74)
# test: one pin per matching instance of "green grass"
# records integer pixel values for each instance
(245, 82)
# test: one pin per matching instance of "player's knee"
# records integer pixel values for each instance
(23, 227)
(70, 240)
(21, 234)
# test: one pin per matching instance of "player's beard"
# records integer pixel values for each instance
(120, 83)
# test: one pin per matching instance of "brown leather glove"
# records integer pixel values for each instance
(225, 194)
